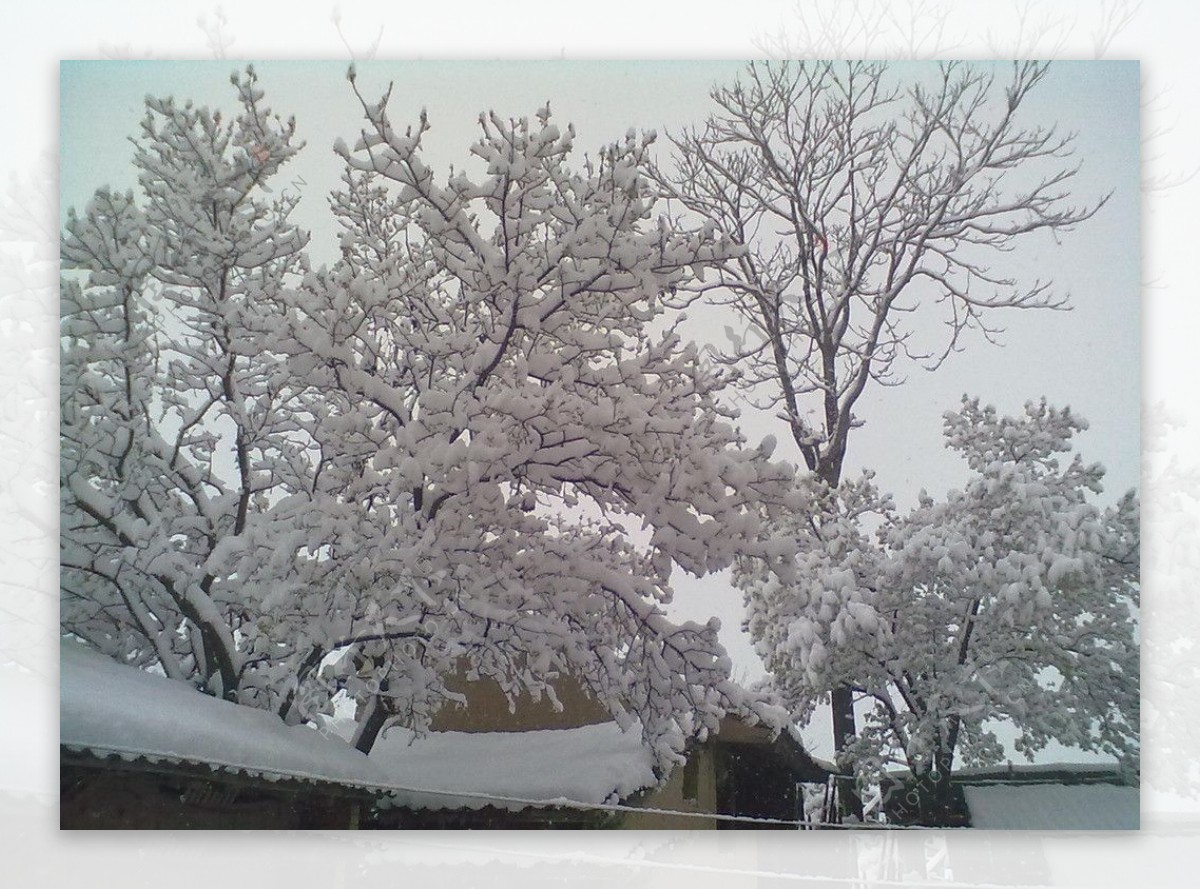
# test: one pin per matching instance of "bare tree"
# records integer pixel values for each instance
(858, 201)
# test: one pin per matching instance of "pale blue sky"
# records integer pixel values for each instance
(1088, 357)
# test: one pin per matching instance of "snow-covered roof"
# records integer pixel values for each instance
(1074, 773)
(590, 764)
(107, 708)
(1053, 806)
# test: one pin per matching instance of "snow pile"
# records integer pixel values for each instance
(589, 764)
(1049, 807)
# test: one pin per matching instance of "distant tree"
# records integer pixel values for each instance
(1014, 600)
(857, 204)
(279, 484)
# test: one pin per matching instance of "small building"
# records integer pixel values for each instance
(1055, 796)
(496, 763)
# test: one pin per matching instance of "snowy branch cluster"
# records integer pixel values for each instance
(182, 448)
(279, 483)
(1012, 600)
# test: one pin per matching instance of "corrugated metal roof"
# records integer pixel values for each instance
(108, 709)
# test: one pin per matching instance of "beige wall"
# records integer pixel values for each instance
(488, 710)
(670, 797)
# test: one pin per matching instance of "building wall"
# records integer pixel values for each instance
(102, 797)
(674, 795)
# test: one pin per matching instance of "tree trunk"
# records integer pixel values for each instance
(938, 801)
(841, 702)
(842, 705)
(287, 709)
(369, 727)
(945, 806)
(371, 722)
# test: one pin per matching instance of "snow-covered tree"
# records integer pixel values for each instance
(508, 405)
(1014, 600)
(181, 444)
(280, 484)
(863, 200)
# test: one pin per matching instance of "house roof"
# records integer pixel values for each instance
(108, 709)
(1045, 773)
(1087, 807)
(1042, 796)
(1106, 773)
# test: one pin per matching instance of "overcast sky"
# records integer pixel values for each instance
(1088, 357)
